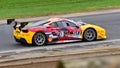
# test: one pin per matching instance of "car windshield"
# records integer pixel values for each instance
(80, 23)
(37, 24)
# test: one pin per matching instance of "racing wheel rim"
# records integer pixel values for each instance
(90, 35)
(39, 39)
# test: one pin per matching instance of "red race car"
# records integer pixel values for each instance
(53, 30)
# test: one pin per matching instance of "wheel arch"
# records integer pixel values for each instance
(42, 33)
(89, 28)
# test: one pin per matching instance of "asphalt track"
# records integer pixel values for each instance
(110, 21)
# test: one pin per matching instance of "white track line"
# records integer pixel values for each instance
(58, 46)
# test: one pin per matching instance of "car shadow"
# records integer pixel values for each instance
(54, 44)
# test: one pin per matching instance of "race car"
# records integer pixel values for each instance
(55, 30)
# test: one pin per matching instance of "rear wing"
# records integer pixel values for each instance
(21, 24)
(9, 21)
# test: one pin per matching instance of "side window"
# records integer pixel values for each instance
(60, 24)
(54, 24)
(72, 24)
(68, 23)
(63, 23)
(57, 24)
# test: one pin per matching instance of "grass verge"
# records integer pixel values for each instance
(32, 8)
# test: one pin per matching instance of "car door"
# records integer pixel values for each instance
(66, 30)
(60, 30)
(74, 31)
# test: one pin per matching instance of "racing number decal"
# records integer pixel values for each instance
(62, 34)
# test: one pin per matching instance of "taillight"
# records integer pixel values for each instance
(25, 31)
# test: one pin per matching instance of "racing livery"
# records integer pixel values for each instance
(55, 30)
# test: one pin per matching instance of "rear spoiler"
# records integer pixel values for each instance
(22, 24)
(9, 21)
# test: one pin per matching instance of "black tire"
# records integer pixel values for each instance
(39, 39)
(89, 35)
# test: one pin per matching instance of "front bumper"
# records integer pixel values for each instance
(101, 34)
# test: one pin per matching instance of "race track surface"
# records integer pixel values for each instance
(111, 22)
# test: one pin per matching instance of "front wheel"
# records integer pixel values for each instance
(89, 35)
(39, 39)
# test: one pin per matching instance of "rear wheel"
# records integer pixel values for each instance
(89, 35)
(39, 39)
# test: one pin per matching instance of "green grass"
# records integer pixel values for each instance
(30, 8)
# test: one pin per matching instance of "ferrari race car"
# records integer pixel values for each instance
(55, 30)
